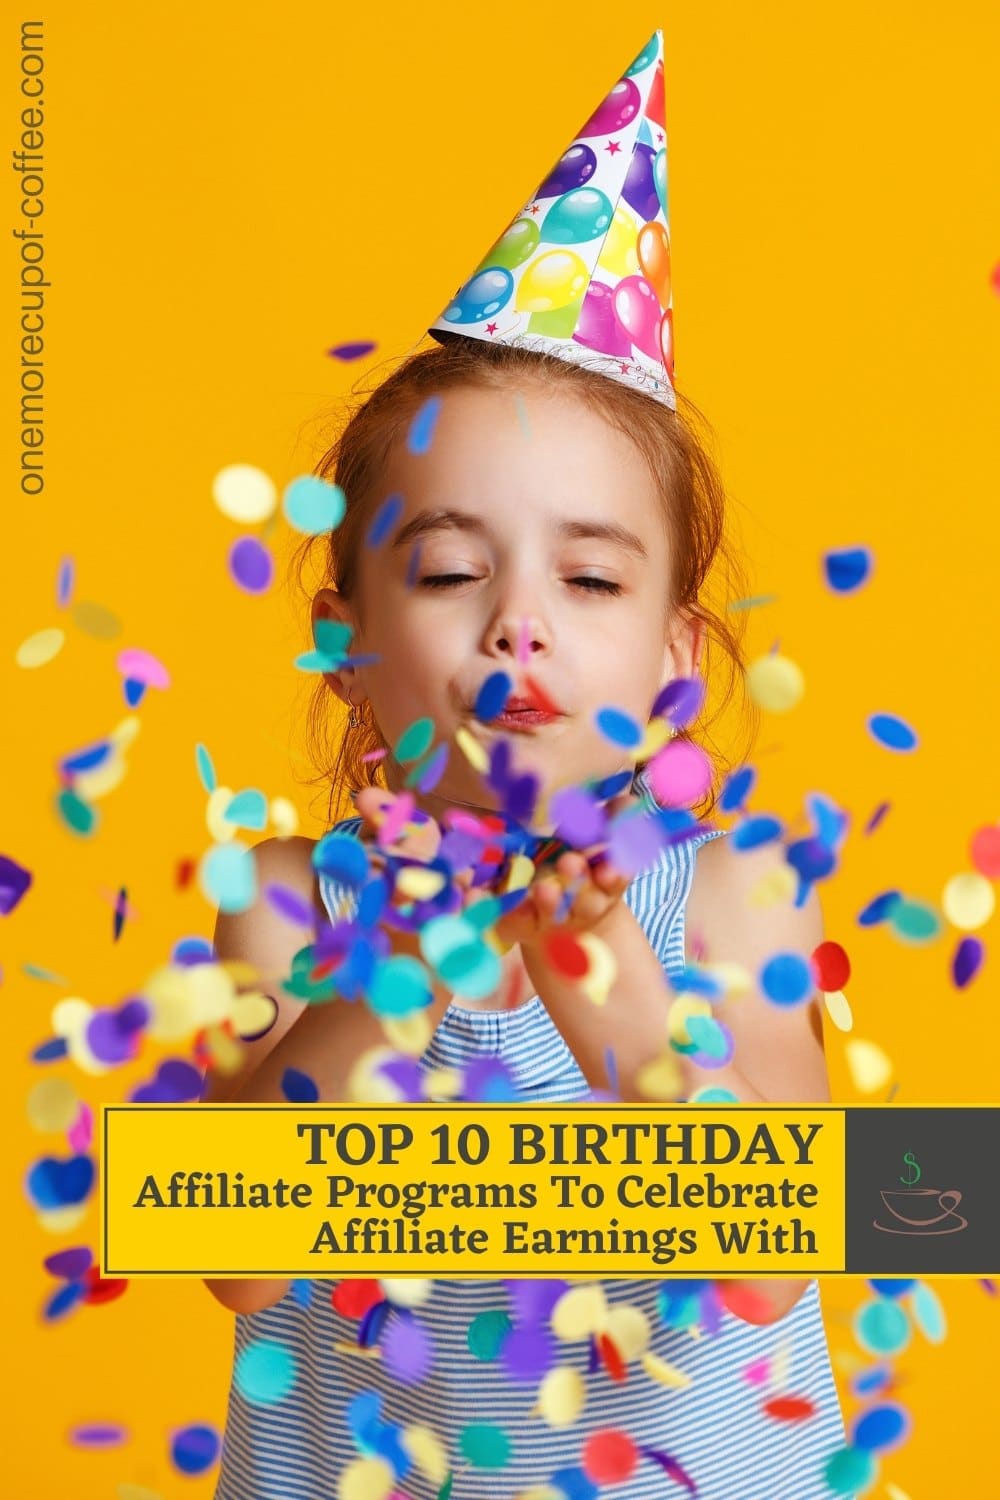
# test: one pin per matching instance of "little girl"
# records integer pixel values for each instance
(558, 526)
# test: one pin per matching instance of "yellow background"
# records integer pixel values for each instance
(231, 190)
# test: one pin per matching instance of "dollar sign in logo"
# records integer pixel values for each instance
(910, 1163)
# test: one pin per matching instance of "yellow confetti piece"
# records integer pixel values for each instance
(581, 1310)
(410, 1034)
(344, 1346)
(442, 1083)
(96, 620)
(775, 683)
(92, 785)
(427, 1451)
(251, 1013)
(661, 1078)
(775, 887)
(244, 493)
(968, 901)
(658, 732)
(628, 1328)
(664, 1373)
(283, 816)
(893, 1492)
(70, 1019)
(365, 1085)
(418, 884)
(839, 1010)
(38, 649)
(869, 1066)
(681, 1011)
(562, 1396)
(226, 1053)
(736, 980)
(472, 750)
(520, 874)
(219, 826)
(781, 1364)
(126, 733)
(136, 1492)
(405, 1292)
(365, 1479)
(53, 1105)
(600, 977)
(62, 1220)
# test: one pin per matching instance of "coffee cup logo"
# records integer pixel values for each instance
(920, 1210)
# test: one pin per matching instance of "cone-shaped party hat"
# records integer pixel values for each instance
(583, 270)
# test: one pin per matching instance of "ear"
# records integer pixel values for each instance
(684, 645)
(329, 605)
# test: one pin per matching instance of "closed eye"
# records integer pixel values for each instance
(451, 580)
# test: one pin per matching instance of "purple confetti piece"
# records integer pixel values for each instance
(250, 565)
(967, 961)
(532, 1301)
(528, 1353)
(384, 521)
(578, 817)
(356, 350)
(877, 816)
(98, 1435)
(680, 701)
(407, 1350)
(290, 904)
(672, 1468)
(14, 881)
(71, 1264)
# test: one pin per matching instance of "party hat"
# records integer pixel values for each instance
(583, 270)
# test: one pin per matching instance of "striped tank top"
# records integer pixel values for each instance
(343, 1406)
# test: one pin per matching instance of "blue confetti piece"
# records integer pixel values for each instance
(50, 1050)
(618, 727)
(892, 732)
(878, 909)
(384, 520)
(847, 568)
(752, 832)
(786, 979)
(492, 696)
(299, 1088)
(736, 789)
(421, 433)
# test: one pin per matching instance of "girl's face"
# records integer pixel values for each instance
(537, 523)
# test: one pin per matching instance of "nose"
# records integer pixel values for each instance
(517, 635)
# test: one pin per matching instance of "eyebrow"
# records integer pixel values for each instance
(459, 520)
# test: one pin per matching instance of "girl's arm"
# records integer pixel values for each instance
(324, 1041)
(778, 1053)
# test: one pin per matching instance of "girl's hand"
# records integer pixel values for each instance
(573, 894)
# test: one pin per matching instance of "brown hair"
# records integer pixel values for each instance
(685, 476)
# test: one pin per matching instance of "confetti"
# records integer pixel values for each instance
(313, 506)
(264, 1372)
(968, 901)
(680, 774)
(831, 966)
(892, 732)
(775, 683)
(421, 432)
(384, 521)
(250, 565)
(847, 569)
(619, 727)
(39, 649)
(967, 961)
(786, 979)
(244, 493)
(195, 1449)
(356, 350)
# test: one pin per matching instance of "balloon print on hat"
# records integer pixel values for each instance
(638, 311)
(485, 294)
(598, 328)
(551, 280)
(640, 190)
(513, 248)
(618, 253)
(653, 248)
(575, 167)
(576, 217)
(615, 112)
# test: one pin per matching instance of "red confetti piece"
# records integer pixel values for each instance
(985, 851)
(609, 1456)
(184, 874)
(566, 955)
(831, 966)
(98, 1289)
(540, 698)
(789, 1408)
(352, 1299)
(613, 1362)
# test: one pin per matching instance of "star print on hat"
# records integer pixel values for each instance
(583, 270)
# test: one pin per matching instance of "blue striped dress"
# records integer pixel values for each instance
(298, 1447)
